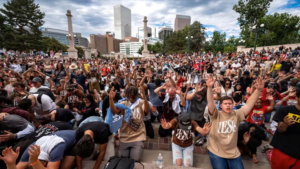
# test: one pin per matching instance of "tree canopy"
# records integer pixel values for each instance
(53, 44)
(177, 42)
(22, 20)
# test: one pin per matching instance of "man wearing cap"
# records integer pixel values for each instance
(182, 143)
(286, 139)
(37, 84)
(80, 76)
(36, 109)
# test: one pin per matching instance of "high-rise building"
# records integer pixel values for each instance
(141, 32)
(181, 21)
(122, 19)
(154, 33)
(130, 48)
(61, 36)
(164, 31)
(105, 43)
(80, 41)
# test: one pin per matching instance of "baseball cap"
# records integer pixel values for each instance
(37, 79)
(184, 121)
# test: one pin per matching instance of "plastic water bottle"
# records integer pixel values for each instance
(160, 161)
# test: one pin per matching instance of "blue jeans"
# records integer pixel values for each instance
(186, 154)
(221, 163)
(91, 119)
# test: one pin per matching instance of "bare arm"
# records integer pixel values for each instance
(112, 95)
(101, 155)
(253, 98)
(210, 98)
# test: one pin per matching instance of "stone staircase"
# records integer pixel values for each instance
(159, 143)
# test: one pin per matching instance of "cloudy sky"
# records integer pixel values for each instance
(97, 16)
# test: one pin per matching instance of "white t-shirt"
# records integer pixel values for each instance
(236, 65)
(34, 89)
(47, 104)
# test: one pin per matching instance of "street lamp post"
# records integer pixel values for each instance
(256, 30)
(189, 38)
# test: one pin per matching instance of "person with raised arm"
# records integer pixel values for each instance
(222, 141)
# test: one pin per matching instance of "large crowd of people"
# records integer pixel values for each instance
(58, 111)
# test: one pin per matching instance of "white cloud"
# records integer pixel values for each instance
(96, 16)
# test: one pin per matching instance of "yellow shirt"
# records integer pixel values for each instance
(87, 66)
(277, 66)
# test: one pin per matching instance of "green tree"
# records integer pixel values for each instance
(81, 52)
(218, 41)
(23, 19)
(250, 11)
(231, 44)
(141, 50)
(53, 44)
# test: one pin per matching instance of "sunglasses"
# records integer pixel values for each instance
(227, 83)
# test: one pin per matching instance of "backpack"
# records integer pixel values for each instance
(116, 162)
(45, 91)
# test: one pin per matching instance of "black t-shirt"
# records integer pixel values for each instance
(238, 96)
(63, 115)
(286, 66)
(87, 111)
(100, 130)
(116, 86)
(288, 142)
(210, 68)
(48, 129)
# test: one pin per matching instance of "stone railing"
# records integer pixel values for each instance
(259, 48)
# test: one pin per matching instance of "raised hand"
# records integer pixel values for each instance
(199, 88)
(142, 91)
(210, 81)
(9, 156)
(206, 128)
(112, 93)
(259, 84)
(164, 124)
(270, 97)
(34, 152)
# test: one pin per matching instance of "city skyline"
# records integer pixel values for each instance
(97, 16)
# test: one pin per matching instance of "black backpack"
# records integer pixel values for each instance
(116, 162)
(45, 91)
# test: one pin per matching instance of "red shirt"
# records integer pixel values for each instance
(257, 116)
(181, 80)
(203, 65)
(104, 70)
(266, 102)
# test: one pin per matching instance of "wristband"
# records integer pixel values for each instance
(34, 163)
